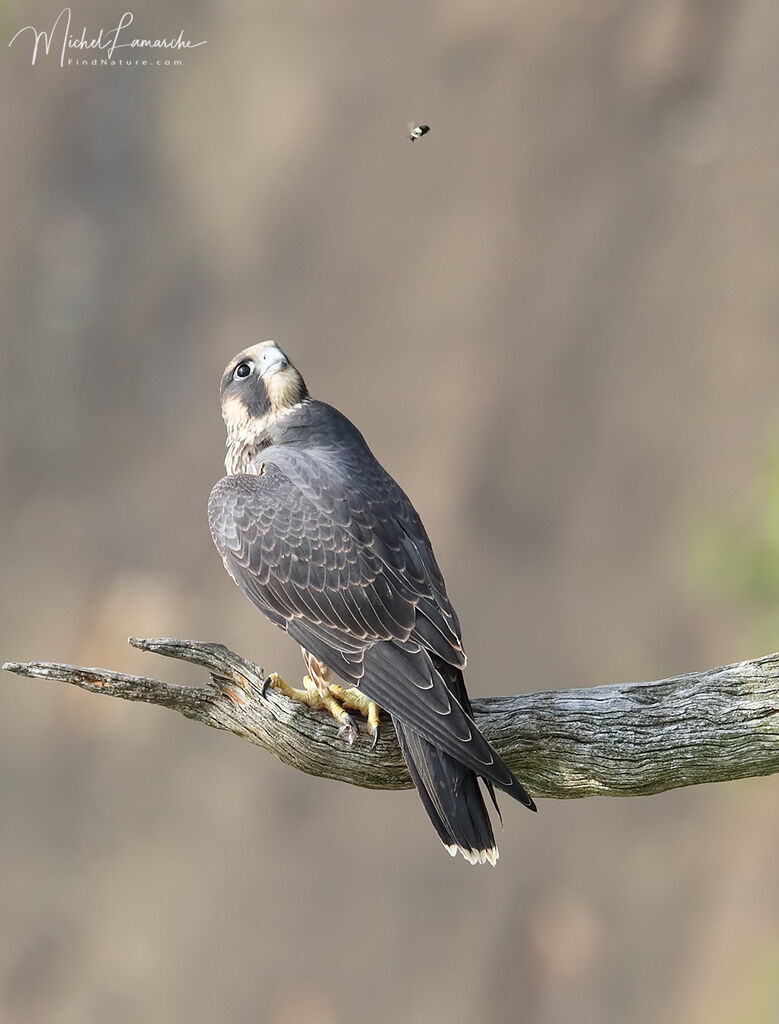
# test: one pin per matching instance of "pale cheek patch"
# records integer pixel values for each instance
(239, 423)
(233, 410)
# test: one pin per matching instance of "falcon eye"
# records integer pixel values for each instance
(243, 370)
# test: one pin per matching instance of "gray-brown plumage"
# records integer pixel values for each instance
(325, 543)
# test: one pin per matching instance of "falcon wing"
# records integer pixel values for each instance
(341, 572)
(305, 571)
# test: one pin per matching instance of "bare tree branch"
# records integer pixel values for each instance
(618, 740)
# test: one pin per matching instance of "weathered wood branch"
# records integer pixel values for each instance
(617, 740)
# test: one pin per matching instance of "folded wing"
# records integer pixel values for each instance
(350, 574)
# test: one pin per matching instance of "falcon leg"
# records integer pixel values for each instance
(312, 697)
(352, 698)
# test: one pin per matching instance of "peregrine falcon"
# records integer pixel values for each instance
(322, 540)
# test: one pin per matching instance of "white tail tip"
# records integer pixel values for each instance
(474, 856)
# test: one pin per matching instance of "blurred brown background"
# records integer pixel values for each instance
(555, 319)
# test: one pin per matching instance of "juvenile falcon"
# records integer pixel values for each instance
(324, 542)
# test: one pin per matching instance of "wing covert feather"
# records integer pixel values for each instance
(347, 581)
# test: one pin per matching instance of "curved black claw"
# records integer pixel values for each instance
(375, 733)
(265, 684)
(348, 730)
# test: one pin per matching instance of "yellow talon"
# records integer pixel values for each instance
(313, 697)
(352, 698)
(330, 696)
(275, 682)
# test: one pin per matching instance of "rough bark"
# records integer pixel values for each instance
(616, 740)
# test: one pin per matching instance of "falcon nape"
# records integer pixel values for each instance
(323, 541)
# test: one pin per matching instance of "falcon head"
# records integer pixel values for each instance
(258, 385)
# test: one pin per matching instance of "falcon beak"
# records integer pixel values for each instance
(272, 359)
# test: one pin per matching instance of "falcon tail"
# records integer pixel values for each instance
(452, 798)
